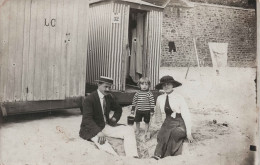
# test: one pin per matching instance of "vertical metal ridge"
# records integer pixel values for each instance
(110, 38)
(154, 47)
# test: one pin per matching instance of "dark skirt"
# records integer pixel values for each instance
(170, 137)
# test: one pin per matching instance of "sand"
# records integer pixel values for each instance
(224, 116)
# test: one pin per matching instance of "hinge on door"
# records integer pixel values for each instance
(27, 90)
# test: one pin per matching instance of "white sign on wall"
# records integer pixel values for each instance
(218, 53)
(116, 18)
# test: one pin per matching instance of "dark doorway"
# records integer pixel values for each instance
(136, 38)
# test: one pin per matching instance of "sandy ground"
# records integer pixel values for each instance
(227, 97)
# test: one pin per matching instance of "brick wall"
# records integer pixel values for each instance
(208, 23)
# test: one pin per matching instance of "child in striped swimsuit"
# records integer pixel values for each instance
(143, 104)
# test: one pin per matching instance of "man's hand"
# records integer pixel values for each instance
(101, 138)
(152, 113)
(112, 121)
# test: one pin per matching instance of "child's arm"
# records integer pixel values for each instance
(133, 110)
(134, 103)
(152, 104)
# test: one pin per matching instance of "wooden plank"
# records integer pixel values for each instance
(39, 51)
(57, 67)
(12, 52)
(121, 47)
(145, 44)
(19, 50)
(32, 47)
(153, 43)
(55, 53)
(82, 41)
(86, 43)
(70, 11)
(26, 48)
(45, 47)
(4, 47)
(63, 61)
(52, 52)
(125, 49)
(74, 54)
(22, 107)
(154, 60)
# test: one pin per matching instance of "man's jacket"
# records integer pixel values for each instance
(93, 118)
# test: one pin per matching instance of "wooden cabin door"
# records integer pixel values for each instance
(136, 60)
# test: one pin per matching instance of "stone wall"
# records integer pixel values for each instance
(208, 23)
(235, 3)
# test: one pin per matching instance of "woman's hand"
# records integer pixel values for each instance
(113, 119)
(190, 138)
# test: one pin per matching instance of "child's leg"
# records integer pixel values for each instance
(138, 119)
(137, 127)
(146, 128)
(147, 118)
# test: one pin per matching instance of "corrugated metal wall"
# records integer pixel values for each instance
(154, 20)
(107, 43)
(42, 49)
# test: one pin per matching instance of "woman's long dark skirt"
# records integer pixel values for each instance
(170, 137)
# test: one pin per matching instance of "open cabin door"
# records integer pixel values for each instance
(137, 55)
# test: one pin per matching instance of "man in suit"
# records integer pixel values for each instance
(96, 123)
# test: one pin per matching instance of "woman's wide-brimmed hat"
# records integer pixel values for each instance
(167, 79)
(103, 79)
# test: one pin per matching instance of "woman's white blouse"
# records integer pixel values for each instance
(177, 104)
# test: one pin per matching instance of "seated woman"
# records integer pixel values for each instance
(177, 124)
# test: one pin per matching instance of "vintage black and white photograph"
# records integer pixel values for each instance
(129, 82)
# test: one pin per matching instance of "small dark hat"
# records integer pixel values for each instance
(104, 79)
(167, 79)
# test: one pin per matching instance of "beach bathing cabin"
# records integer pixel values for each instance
(124, 41)
(42, 54)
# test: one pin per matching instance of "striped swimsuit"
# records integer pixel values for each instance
(144, 101)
